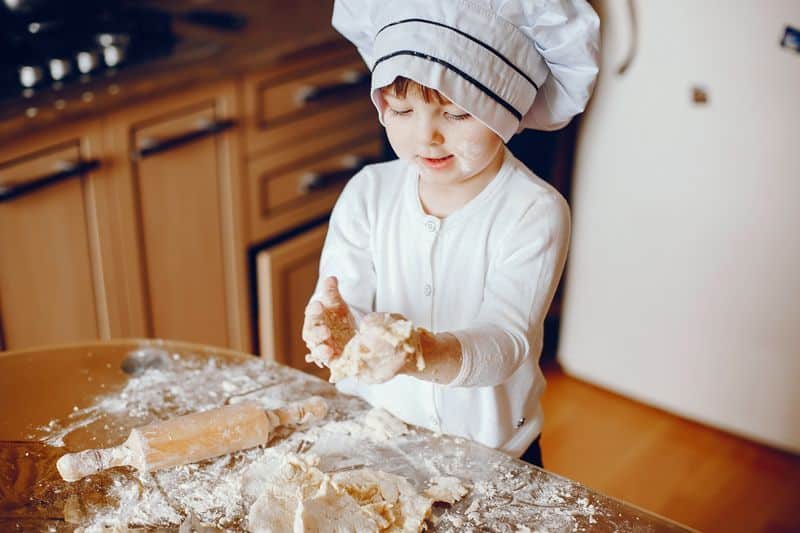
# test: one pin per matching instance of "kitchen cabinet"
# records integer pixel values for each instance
(309, 125)
(287, 274)
(57, 282)
(176, 171)
(152, 218)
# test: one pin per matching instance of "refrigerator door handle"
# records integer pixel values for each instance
(633, 43)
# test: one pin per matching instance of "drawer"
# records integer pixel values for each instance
(286, 107)
(29, 173)
(304, 188)
(170, 131)
(291, 99)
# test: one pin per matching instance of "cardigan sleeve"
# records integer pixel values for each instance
(347, 252)
(519, 288)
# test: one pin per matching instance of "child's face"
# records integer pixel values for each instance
(447, 144)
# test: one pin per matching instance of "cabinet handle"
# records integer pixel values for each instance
(311, 94)
(10, 191)
(205, 130)
(313, 181)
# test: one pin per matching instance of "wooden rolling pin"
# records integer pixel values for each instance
(191, 438)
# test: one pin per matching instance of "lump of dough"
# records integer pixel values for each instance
(392, 500)
(328, 511)
(383, 345)
(294, 495)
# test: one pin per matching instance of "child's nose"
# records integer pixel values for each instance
(429, 133)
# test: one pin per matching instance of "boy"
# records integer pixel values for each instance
(457, 235)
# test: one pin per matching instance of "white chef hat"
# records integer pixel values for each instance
(512, 64)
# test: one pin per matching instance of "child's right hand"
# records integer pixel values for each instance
(328, 325)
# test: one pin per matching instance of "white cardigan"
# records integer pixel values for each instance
(486, 273)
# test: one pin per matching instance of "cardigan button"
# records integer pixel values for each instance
(520, 422)
(428, 290)
(431, 225)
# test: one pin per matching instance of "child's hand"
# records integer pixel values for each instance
(328, 325)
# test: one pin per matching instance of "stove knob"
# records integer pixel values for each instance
(114, 45)
(59, 68)
(30, 75)
(87, 60)
(112, 39)
(113, 55)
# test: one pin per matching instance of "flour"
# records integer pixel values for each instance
(446, 489)
(503, 495)
(472, 154)
(383, 426)
(503, 499)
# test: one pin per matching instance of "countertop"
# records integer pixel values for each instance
(274, 31)
(87, 396)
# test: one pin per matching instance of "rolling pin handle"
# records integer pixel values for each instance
(75, 466)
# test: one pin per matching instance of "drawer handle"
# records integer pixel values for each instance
(314, 181)
(10, 191)
(310, 94)
(205, 129)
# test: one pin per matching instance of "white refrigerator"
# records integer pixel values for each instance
(683, 282)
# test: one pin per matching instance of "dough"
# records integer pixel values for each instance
(294, 495)
(278, 484)
(329, 511)
(390, 499)
(446, 489)
(382, 346)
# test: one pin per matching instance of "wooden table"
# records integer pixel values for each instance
(71, 398)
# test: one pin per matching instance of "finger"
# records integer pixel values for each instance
(318, 334)
(314, 308)
(310, 359)
(307, 336)
(322, 352)
(330, 292)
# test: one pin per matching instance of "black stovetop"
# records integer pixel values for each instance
(46, 44)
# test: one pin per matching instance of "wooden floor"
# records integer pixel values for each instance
(698, 476)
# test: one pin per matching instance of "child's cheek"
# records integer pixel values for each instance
(474, 152)
(476, 145)
(471, 149)
(398, 137)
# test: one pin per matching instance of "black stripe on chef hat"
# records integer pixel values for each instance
(468, 36)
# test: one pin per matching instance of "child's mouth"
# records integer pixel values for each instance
(436, 162)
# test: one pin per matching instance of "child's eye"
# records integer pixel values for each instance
(456, 116)
(400, 112)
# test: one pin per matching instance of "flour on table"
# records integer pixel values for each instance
(383, 345)
(219, 493)
(382, 425)
(294, 495)
(446, 489)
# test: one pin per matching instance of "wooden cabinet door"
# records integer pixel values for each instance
(52, 266)
(181, 191)
(287, 275)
